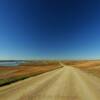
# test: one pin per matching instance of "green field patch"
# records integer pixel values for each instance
(5, 71)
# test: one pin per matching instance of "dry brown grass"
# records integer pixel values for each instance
(83, 63)
(28, 69)
(90, 66)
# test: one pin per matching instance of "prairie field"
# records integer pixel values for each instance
(90, 66)
(61, 80)
(30, 68)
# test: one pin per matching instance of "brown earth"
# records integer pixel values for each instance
(90, 66)
(83, 63)
(26, 69)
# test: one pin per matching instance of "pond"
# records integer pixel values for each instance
(12, 64)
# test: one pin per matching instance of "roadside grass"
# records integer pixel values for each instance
(15, 79)
(10, 80)
(89, 66)
(6, 72)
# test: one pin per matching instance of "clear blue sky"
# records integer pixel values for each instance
(53, 29)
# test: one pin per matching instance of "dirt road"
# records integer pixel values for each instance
(66, 83)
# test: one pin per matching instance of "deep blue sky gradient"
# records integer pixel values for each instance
(49, 29)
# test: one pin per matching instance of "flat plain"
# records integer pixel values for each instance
(12, 74)
(59, 80)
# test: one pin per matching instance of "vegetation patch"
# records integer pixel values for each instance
(26, 71)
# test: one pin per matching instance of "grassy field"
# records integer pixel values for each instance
(90, 66)
(31, 68)
(5, 72)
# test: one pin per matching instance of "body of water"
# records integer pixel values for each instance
(10, 63)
